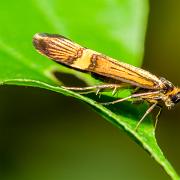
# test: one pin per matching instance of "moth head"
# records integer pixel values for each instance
(171, 93)
(175, 98)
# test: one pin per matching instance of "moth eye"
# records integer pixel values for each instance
(176, 98)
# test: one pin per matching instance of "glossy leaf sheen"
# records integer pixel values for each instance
(115, 28)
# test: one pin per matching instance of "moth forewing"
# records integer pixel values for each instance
(152, 88)
(57, 48)
(67, 52)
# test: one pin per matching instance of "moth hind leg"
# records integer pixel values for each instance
(149, 110)
(96, 88)
(157, 116)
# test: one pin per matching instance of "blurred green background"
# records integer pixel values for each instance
(45, 135)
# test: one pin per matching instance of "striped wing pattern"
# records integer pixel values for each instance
(72, 54)
(57, 48)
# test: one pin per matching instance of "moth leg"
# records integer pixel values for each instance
(98, 92)
(87, 92)
(103, 86)
(146, 113)
(114, 87)
(95, 89)
(114, 90)
(136, 96)
(157, 116)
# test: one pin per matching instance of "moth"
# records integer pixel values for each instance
(155, 90)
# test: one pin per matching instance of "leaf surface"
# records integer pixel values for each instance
(115, 28)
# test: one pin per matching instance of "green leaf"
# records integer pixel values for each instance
(115, 28)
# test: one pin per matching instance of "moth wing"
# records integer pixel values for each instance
(57, 47)
(67, 52)
(127, 73)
